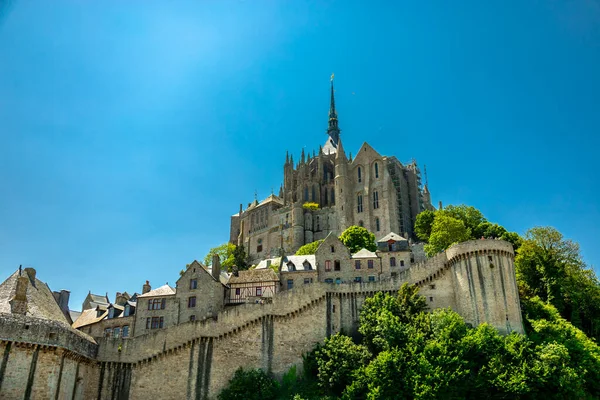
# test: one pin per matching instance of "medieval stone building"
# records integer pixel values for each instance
(370, 190)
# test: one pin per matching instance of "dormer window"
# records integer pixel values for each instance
(307, 265)
(291, 266)
(111, 312)
(126, 311)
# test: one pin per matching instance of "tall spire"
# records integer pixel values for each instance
(333, 130)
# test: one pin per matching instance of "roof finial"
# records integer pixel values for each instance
(425, 172)
(255, 195)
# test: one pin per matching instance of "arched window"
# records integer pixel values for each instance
(333, 197)
(359, 202)
(359, 174)
(305, 193)
(376, 170)
(377, 227)
(375, 199)
(314, 193)
(325, 199)
(392, 261)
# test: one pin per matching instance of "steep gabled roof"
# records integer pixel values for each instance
(391, 236)
(254, 276)
(299, 263)
(88, 317)
(364, 253)
(40, 300)
(164, 290)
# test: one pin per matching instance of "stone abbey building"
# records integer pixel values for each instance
(370, 190)
(186, 341)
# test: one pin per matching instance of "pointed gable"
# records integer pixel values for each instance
(332, 247)
(366, 155)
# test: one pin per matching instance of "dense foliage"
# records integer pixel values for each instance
(252, 384)
(357, 238)
(225, 252)
(440, 229)
(310, 205)
(309, 248)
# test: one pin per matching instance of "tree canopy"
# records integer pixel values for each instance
(357, 238)
(309, 248)
(225, 252)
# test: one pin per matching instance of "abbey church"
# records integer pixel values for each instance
(327, 192)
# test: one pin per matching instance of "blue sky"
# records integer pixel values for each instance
(131, 131)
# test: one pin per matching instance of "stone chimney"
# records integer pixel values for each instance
(63, 300)
(216, 267)
(440, 204)
(18, 304)
(146, 288)
(31, 274)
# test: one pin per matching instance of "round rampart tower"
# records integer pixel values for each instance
(297, 225)
(485, 285)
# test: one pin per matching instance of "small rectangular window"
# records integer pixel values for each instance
(290, 283)
(328, 265)
(192, 302)
(402, 263)
(431, 286)
(490, 259)
(117, 332)
(357, 264)
(306, 280)
(192, 318)
(358, 279)
(333, 308)
(336, 265)
(371, 278)
(431, 299)
(329, 280)
(259, 291)
(392, 261)
(237, 291)
(148, 320)
(259, 248)
(193, 283)
(149, 304)
(126, 331)
(370, 264)
(161, 322)
(107, 332)
(163, 304)
(333, 249)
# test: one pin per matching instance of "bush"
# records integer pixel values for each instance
(252, 384)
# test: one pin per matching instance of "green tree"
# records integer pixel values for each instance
(423, 224)
(251, 384)
(446, 231)
(357, 238)
(225, 252)
(240, 258)
(337, 360)
(469, 215)
(551, 267)
(309, 248)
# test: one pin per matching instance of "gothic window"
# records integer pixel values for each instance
(377, 225)
(376, 170)
(325, 197)
(375, 199)
(359, 174)
(392, 261)
(359, 202)
(314, 193)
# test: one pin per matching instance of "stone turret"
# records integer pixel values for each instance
(341, 187)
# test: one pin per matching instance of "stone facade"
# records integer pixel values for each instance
(370, 190)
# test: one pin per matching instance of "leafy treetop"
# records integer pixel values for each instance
(357, 238)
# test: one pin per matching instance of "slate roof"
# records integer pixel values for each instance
(164, 290)
(299, 262)
(364, 253)
(96, 298)
(391, 236)
(40, 300)
(254, 276)
(88, 317)
(74, 315)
